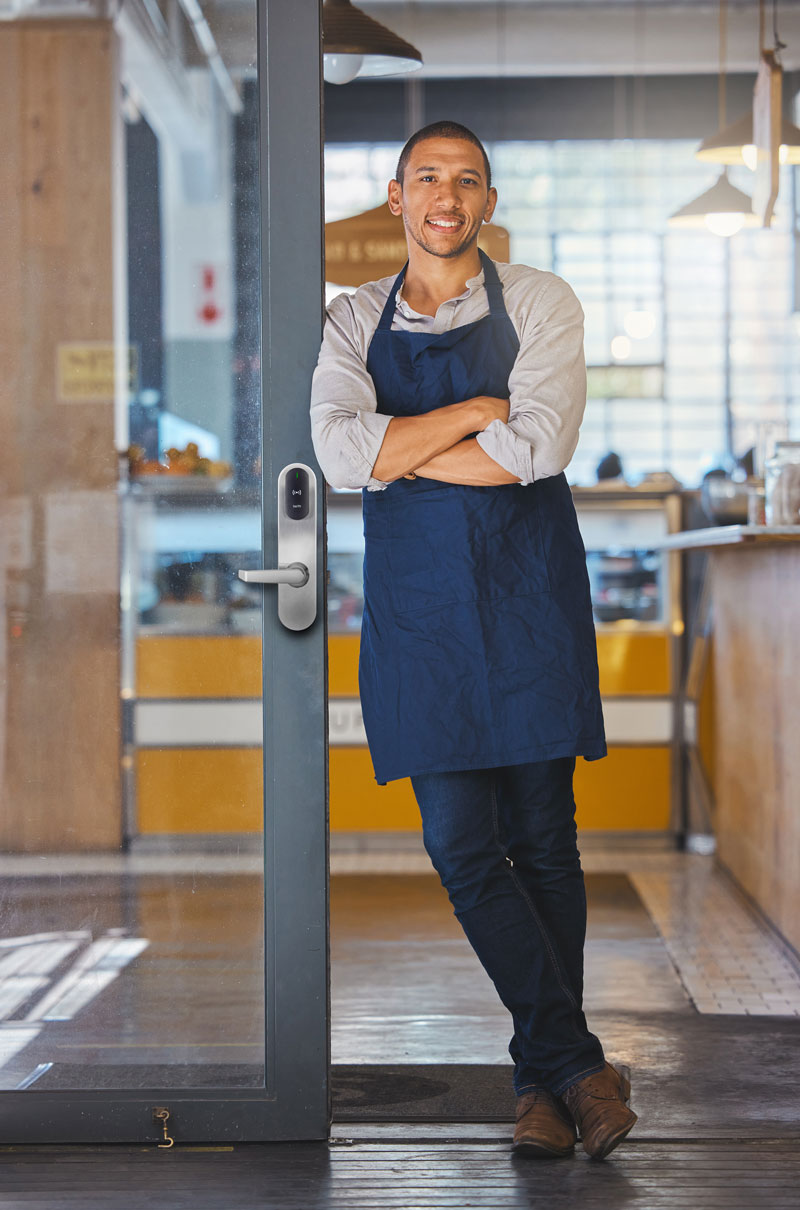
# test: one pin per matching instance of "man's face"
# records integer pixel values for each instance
(444, 199)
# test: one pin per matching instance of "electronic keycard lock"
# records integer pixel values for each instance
(296, 573)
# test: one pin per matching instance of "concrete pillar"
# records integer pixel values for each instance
(61, 180)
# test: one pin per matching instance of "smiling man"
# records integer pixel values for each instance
(452, 395)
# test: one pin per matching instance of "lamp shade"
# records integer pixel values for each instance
(346, 31)
(730, 145)
(723, 209)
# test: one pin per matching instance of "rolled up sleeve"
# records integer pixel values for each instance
(346, 429)
(547, 389)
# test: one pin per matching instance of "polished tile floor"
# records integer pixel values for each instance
(727, 958)
(406, 986)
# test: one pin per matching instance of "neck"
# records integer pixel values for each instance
(436, 277)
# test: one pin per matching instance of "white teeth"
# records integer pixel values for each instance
(442, 223)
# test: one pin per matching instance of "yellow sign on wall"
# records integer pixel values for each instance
(85, 372)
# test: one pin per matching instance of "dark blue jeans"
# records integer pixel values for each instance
(504, 844)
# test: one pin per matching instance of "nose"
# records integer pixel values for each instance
(448, 195)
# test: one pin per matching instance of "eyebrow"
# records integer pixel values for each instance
(435, 168)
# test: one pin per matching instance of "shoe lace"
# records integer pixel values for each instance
(587, 1089)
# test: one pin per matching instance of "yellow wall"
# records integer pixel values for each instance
(632, 663)
(198, 666)
(220, 789)
(199, 790)
(627, 790)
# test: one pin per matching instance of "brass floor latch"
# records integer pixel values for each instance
(161, 1114)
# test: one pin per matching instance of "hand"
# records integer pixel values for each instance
(488, 408)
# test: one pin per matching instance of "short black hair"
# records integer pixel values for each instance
(441, 130)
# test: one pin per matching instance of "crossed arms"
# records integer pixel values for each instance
(465, 462)
(529, 436)
(436, 445)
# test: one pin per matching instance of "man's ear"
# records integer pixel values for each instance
(395, 197)
(491, 202)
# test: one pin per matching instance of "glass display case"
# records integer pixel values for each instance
(186, 548)
(183, 547)
(633, 584)
(630, 579)
(191, 678)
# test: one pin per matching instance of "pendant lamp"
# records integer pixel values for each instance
(353, 44)
(734, 144)
(723, 208)
(639, 322)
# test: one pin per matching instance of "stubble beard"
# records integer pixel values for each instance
(419, 239)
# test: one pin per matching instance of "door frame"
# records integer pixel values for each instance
(295, 1103)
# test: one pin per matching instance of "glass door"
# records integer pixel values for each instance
(163, 721)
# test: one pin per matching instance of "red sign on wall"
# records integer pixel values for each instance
(209, 310)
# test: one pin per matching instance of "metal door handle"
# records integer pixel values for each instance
(296, 573)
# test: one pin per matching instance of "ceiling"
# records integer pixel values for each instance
(461, 38)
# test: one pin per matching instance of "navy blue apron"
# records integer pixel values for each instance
(477, 643)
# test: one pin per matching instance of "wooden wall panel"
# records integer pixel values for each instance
(756, 595)
(60, 760)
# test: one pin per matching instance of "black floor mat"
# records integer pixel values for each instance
(693, 1075)
(445, 1092)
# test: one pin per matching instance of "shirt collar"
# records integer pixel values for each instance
(472, 284)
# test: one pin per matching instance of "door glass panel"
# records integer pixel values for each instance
(131, 902)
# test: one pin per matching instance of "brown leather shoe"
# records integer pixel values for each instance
(597, 1103)
(544, 1125)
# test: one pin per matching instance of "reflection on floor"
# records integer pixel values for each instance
(706, 942)
(116, 977)
(127, 980)
(715, 1090)
(406, 986)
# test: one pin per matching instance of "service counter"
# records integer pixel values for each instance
(192, 676)
(753, 587)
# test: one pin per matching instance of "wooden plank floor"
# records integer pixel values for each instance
(467, 1171)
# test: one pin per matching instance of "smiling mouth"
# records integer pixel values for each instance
(445, 224)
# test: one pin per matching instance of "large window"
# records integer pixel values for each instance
(724, 342)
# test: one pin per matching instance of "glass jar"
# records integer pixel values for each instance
(782, 484)
(756, 510)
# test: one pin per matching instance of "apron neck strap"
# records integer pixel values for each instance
(493, 285)
(491, 282)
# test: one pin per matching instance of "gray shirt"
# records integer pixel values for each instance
(547, 384)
